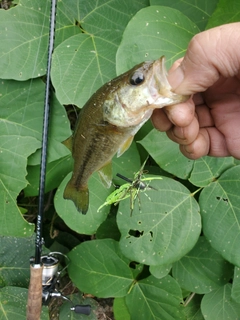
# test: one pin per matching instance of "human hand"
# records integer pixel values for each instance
(209, 122)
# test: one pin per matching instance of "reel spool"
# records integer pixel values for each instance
(51, 281)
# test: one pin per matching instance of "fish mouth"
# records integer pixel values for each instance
(160, 87)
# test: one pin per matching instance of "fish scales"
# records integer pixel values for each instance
(109, 120)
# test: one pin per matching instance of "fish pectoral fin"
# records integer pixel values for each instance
(105, 174)
(125, 146)
(80, 197)
(68, 143)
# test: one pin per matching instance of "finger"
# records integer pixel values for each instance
(184, 135)
(160, 120)
(181, 114)
(208, 142)
(210, 54)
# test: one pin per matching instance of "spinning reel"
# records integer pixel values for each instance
(51, 281)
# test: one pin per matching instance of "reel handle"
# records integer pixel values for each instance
(82, 309)
(34, 304)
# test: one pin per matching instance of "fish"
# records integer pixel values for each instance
(109, 120)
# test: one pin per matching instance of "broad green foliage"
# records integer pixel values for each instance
(166, 250)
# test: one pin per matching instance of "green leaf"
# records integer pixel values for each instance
(23, 115)
(15, 264)
(24, 38)
(89, 223)
(198, 11)
(208, 169)
(160, 231)
(167, 155)
(218, 305)
(219, 203)
(77, 299)
(227, 11)
(155, 299)
(192, 310)
(14, 150)
(236, 285)
(99, 268)
(154, 31)
(20, 135)
(120, 309)
(203, 269)
(84, 62)
(56, 171)
(13, 302)
(160, 271)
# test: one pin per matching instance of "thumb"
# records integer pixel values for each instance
(210, 54)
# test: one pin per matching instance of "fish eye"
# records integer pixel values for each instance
(137, 78)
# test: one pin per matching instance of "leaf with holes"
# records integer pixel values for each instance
(219, 203)
(159, 231)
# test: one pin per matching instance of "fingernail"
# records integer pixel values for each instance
(176, 77)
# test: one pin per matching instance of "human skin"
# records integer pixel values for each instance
(209, 122)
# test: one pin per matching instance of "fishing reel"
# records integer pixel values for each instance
(51, 281)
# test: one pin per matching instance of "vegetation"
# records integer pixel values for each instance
(168, 252)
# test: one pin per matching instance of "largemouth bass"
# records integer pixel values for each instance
(110, 119)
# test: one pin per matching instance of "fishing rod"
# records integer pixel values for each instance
(44, 274)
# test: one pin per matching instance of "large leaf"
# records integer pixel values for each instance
(227, 11)
(13, 302)
(152, 32)
(219, 204)
(164, 225)
(78, 222)
(203, 269)
(152, 299)
(24, 38)
(20, 135)
(84, 62)
(98, 267)
(15, 260)
(198, 11)
(23, 115)
(218, 305)
(14, 151)
(167, 155)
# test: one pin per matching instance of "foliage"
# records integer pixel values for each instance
(159, 246)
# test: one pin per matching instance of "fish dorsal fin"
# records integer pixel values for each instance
(68, 143)
(126, 144)
(105, 174)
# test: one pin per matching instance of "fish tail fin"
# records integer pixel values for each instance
(80, 197)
